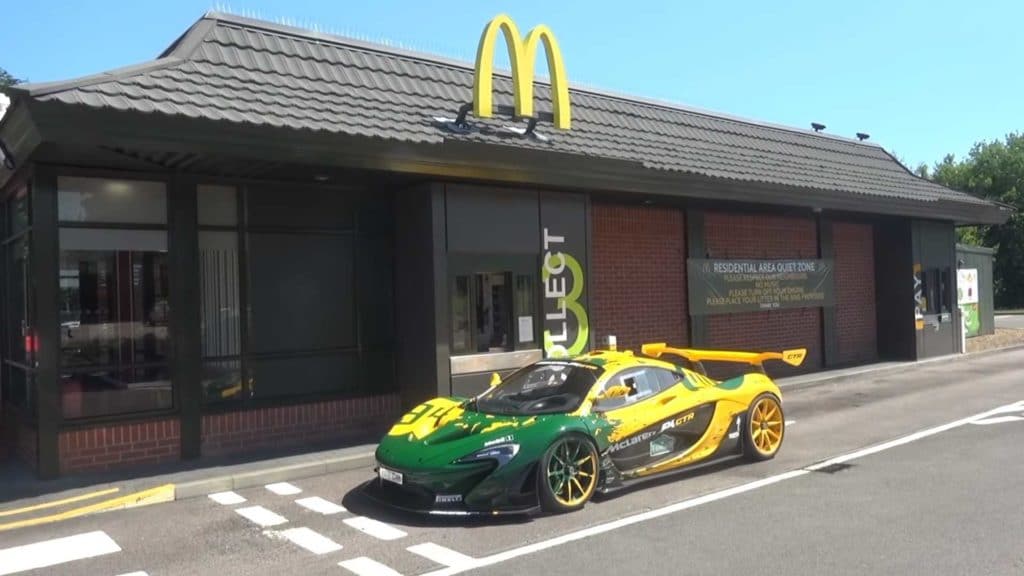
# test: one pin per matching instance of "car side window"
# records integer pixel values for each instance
(668, 378)
(630, 386)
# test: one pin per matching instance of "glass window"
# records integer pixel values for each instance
(628, 387)
(108, 200)
(220, 307)
(222, 382)
(115, 317)
(329, 373)
(104, 392)
(113, 307)
(218, 205)
(542, 388)
(462, 341)
(482, 307)
(302, 292)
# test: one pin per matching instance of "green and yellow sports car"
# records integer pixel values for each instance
(555, 432)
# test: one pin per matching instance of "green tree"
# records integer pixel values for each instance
(7, 80)
(995, 170)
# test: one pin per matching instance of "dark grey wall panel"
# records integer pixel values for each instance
(492, 220)
(421, 297)
(935, 248)
(894, 290)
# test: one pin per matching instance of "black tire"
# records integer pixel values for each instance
(754, 444)
(554, 459)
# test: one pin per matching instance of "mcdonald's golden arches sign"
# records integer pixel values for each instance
(522, 55)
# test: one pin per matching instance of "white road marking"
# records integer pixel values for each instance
(56, 551)
(694, 502)
(310, 540)
(261, 516)
(364, 566)
(283, 489)
(227, 498)
(318, 504)
(134, 574)
(374, 528)
(998, 420)
(790, 422)
(440, 554)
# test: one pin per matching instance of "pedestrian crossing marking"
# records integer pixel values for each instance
(57, 551)
(375, 528)
(440, 554)
(227, 498)
(319, 505)
(283, 489)
(261, 516)
(310, 540)
(364, 566)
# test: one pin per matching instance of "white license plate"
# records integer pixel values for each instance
(390, 475)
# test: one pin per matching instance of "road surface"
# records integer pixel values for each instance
(939, 494)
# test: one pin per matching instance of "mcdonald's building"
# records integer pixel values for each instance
(270, 238)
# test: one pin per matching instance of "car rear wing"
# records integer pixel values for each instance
(793, 357)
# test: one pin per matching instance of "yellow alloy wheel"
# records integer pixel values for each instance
(572, 472)
(767, 425)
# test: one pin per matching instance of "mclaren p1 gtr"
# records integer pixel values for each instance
(552, 434)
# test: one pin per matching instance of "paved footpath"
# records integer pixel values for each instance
(319, 525)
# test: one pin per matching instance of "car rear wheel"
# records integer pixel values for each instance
(567, 475)
(764, 429)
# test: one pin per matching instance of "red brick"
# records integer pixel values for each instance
(855, 292)
(639, 260)
(764, 236)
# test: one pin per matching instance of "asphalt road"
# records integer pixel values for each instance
(945, 502)
(1010, 321)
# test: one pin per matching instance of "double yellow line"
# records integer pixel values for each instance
(163, 493)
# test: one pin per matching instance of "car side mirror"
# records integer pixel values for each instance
(495, 379)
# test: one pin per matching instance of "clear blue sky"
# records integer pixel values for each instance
(923, 77)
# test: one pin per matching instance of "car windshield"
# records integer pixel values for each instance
(547, 387)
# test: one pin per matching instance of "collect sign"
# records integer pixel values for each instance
(564, 249)
(723, 286)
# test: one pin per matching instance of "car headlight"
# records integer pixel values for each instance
(502, 453)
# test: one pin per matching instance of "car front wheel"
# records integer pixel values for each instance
(567, 475)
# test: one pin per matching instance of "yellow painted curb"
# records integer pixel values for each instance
(156, 495)
(55, 503)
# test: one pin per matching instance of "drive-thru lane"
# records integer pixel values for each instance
(320, 525)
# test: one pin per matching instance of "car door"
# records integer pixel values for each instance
(664, 414)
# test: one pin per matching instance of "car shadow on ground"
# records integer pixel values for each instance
(357, 502)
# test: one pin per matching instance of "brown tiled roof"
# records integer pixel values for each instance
(233, 69)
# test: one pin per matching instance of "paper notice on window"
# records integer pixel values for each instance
(525, 329)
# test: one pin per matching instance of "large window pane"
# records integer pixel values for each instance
(100, 393)
(305, 375)
(217, 205)
(113, 306)
(109, 200)
(298, 208)
(301, 292)
(219, 301)
(222, 382)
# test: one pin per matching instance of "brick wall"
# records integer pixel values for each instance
(762, 236)
(284, 426)
(639, 265)
(855, 292)
(119, 446)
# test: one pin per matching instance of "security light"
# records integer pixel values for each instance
(817, 127)
(862, 136)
